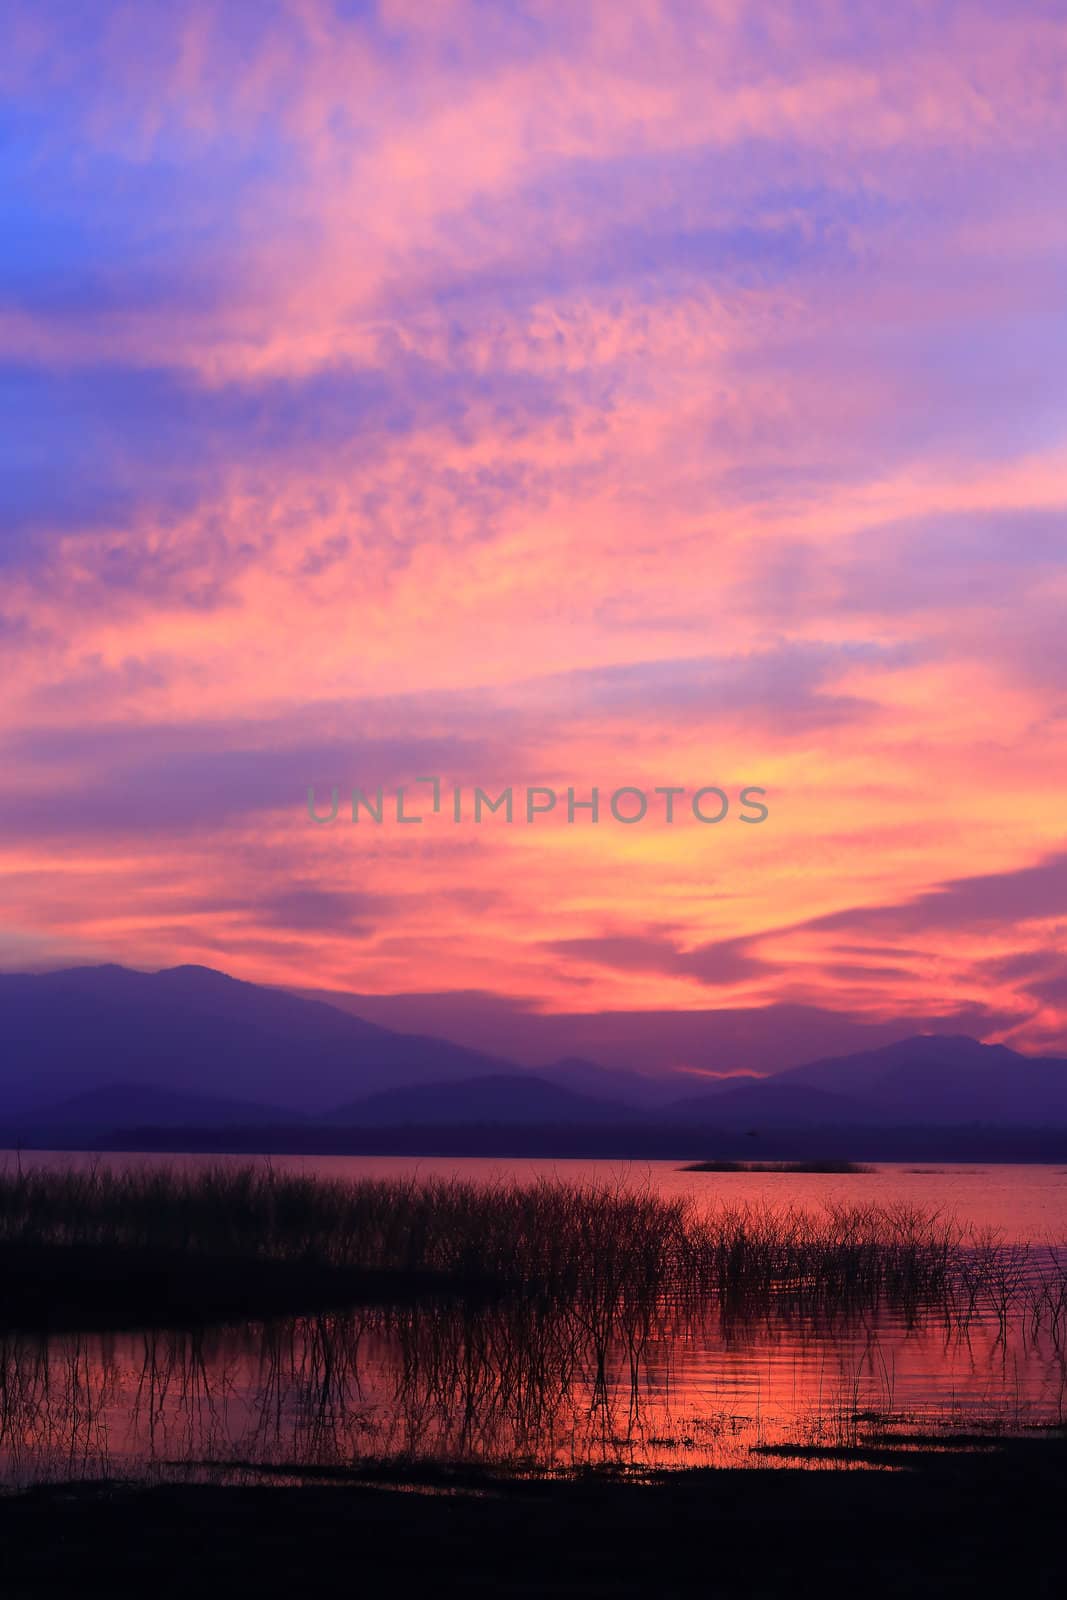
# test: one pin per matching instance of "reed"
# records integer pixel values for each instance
(609, 1254)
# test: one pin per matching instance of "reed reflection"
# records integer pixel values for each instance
(623, 1367)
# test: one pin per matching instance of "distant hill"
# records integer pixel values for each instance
(944, 1079)
(614, 1083)
(125, 1105)
(768, 1104)
(101, 1049)
(192, 1030)
(497, 1099)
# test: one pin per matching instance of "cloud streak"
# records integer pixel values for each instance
(540, 394)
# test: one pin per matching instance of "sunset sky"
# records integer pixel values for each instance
(570, 393)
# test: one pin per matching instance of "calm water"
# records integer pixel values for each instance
(505, 1383)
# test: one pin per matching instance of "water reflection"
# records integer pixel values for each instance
(606, 1379)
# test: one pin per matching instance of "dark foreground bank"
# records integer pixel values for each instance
(972, 1518)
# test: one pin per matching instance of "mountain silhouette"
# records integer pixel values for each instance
(770, 1103)
(499, 1099)
(943, 1078)
(107, 1047)
(613, 1083)
(192, 1030)
(97, 1111)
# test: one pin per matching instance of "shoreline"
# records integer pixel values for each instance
(901, 1144)
(957, 1520)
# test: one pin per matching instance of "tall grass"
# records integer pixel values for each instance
(590, 1286)
(604, 1250)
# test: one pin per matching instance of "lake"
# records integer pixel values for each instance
(715, 1383)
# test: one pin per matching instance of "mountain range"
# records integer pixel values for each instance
(94, 1050)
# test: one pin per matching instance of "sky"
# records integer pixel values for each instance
(554, 395)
